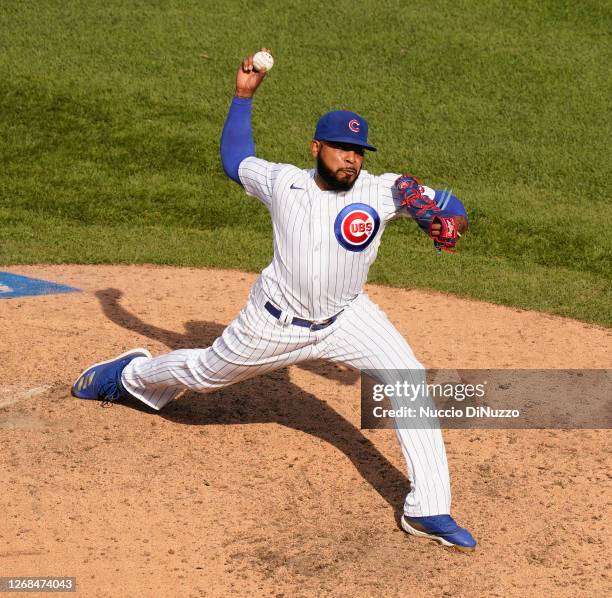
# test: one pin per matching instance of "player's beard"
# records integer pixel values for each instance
(329, 177)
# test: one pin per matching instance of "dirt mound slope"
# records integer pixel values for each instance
(269, 487)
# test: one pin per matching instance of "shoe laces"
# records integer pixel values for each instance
(109, 393)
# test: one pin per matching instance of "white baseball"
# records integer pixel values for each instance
(263, 61)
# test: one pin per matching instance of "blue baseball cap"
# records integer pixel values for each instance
(343, 126)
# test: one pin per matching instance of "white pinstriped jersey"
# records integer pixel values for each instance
(324, 241)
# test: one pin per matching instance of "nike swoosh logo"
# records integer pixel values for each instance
(294, 187)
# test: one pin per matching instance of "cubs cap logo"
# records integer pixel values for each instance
(356, 226)
(354, 125)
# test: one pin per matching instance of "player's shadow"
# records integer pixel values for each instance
(272, 398)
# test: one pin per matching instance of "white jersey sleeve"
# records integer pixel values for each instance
(258, 178)
(391, 201)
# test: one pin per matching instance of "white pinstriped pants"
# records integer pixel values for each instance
(256, 343)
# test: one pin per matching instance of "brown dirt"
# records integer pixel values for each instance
(269, 487)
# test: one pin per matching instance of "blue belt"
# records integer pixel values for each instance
(317, 325)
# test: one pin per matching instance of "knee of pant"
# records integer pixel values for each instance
(401, 360)
(404, 369)
(408, 361)
(393, 375)
(410, 364)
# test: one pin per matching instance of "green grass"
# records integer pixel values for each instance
(110, 116)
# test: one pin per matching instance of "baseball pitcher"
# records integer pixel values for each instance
(309, 302)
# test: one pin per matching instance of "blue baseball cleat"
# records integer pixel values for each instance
(102, 381)
(441, 528)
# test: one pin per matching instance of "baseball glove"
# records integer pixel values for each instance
(427, 213)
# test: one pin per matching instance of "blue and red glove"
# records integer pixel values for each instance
(426, 212)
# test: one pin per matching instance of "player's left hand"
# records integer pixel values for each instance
(462, 225)
(444, 231)
(443, 228)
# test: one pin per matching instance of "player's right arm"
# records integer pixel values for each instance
(237, 146)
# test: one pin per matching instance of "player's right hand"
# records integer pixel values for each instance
(248, 79)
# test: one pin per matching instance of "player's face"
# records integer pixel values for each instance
(338, 164)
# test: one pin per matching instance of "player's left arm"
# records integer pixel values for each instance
(452, 206)
(439, 213)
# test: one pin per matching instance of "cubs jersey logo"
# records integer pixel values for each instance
(356, 226)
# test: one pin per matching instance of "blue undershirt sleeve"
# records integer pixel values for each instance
(449, 203)
(237, 137)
